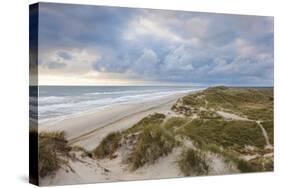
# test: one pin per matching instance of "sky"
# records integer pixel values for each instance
(95, 45)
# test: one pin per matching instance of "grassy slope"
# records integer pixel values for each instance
(233, 135)
(255, 103)
(224, 133)
(152, 142)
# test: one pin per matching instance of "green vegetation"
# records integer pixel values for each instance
(230, 155)
(224, 133)
(193, 100)
(111, 142)
(245, 166)
(262, 164)
(174, 122)
(255, 103)
(193, 162)
(229, 138)
(152, 120)
(53, 150)
(153, 143)
(242, 165)
(206, 114)
(108, 145)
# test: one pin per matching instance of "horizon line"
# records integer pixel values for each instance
(215, 85)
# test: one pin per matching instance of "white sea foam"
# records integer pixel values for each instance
(57, 107)
(52, 99)
(120, 92)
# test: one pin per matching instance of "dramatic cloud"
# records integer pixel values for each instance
(102, 45)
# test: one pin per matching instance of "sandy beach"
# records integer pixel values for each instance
(87, 130)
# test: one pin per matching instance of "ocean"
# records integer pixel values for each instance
(59, 102)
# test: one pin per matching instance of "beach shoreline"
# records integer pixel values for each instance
(88, 129)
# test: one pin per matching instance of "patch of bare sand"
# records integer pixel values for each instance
(228, 115)
(87, 170)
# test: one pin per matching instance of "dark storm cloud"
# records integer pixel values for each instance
(81, 25)
(162, 46)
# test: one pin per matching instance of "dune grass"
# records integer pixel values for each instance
(53, 149)
(174, 122)
(224, 133)
(153, 143)
(108, 145)
(193, 162)
(206, 114)
(154, 119)
(255, 103)
(111, 142)
(231, 155)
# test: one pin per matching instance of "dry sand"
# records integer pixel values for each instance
(88, 170)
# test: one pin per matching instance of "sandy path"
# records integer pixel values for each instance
(227, 115)
(268, 145)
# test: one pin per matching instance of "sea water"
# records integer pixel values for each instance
(59, 102)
